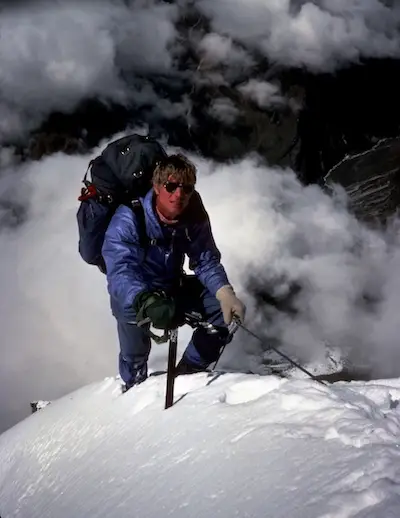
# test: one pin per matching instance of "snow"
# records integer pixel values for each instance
(232, 445)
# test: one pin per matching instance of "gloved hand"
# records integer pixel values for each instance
(155, 305)
(230, 304)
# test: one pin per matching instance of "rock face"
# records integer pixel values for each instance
(372, 181)
(347, 113)
(43, 144)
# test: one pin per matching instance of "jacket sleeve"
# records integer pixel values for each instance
(123, 256)
(205, 258)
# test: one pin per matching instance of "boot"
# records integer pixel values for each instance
(184, 367)
(138, 376)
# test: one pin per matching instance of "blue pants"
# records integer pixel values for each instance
(203, 348)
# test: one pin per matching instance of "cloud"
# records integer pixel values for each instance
(279, 234)
(54, 55)
(264, 94)
(320, 35)
(57, 328)
(215, 49)
(51, 305)
(224, 110)
(145, 37)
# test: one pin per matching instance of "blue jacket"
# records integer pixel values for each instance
(132, 269)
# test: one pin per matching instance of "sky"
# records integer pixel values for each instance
(233, 445)
(57, 330)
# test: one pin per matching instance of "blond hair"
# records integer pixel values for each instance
(178, 166)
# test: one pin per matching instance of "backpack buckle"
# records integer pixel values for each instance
(135, 203)
(87, 192)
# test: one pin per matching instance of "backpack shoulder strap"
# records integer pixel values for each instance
(144, 240)
(138, 209)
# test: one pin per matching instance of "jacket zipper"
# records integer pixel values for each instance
(171, 246)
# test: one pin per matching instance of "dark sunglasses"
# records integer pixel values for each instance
(171, 187)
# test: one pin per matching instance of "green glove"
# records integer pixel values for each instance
(156, 306)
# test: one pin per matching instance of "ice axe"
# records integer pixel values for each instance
(194, 320)
(283, 355)
(170, 335)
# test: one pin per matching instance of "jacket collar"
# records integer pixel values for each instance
(149, 209)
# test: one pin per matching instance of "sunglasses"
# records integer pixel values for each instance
(171, 187)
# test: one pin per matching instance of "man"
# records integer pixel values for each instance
(149, 282)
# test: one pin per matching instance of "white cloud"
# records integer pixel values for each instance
(146, 37)
(224, 110)
(215, 49)
(264, 94)
(57, 328)
(319, 35)
(51, 304)
(54, 54)
(273, 229)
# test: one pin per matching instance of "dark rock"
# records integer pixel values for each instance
(346, 113)
(42, 144)
(372, 181)
(269, 132)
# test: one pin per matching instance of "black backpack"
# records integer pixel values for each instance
(119, 175)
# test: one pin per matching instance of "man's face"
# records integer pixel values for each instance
(173, 197)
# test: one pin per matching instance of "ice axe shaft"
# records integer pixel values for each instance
(232, 328)
(194, 320)
(283, 355)
(172, 352)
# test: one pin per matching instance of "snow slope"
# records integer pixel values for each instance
(232, 445)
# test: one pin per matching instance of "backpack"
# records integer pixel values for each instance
(119, 175)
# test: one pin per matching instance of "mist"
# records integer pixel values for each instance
(57, 328)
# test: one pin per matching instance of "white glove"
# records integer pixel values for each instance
(230, 304)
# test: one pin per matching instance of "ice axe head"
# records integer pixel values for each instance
(234, 325)
(195, 319)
